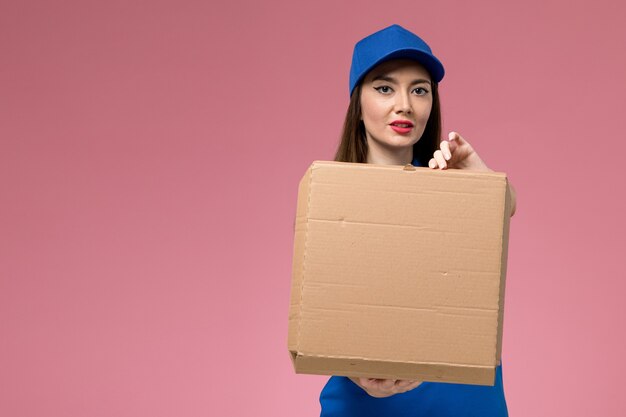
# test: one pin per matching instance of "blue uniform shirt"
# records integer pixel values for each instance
(343, 398)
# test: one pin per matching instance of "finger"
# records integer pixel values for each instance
(414, 385)
(403, 383)
(371, 383)
(373, 387)
(432, 163)
(387, 384)
(441, 161)
(367, 383)
(452, 144)
(457, 138)
(445, 149)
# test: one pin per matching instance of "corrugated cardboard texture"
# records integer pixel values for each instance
(399, 273)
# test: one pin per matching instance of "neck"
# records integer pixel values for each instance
(389, 156)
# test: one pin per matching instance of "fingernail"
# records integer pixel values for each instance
(451, 136)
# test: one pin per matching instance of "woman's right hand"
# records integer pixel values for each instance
(381, 388)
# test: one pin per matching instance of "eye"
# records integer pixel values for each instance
(421, 91)
(384, 89)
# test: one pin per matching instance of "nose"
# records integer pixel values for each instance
(403, 103)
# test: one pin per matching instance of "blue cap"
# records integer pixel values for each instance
(391, 43)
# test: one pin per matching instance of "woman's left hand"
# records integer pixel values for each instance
(457, 153)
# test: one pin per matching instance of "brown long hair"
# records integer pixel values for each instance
(353, 145)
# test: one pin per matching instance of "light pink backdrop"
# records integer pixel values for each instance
(150, 153)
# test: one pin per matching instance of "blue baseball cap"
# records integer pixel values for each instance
(393, 42)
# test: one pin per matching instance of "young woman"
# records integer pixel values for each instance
(394, 118)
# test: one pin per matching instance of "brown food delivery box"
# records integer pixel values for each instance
(399, 272)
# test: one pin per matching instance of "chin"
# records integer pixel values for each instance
(402, 143)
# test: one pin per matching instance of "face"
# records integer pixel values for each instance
(396, 99)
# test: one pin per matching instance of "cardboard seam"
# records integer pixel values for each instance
(306, 237)
(429, 171)
(439, 309)
(359, 358)
(408, 226)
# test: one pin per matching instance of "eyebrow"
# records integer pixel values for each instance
(393, 80)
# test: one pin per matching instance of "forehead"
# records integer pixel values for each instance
(398, 67)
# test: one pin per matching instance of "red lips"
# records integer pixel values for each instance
(401, 126)
(402, 123)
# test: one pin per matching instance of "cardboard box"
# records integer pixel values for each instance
(399, 272)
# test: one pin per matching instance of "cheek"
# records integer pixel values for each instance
(370, 104)
(372, 112)
(424, 113)
(370, 120)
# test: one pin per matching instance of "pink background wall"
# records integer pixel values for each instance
(150, 153)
